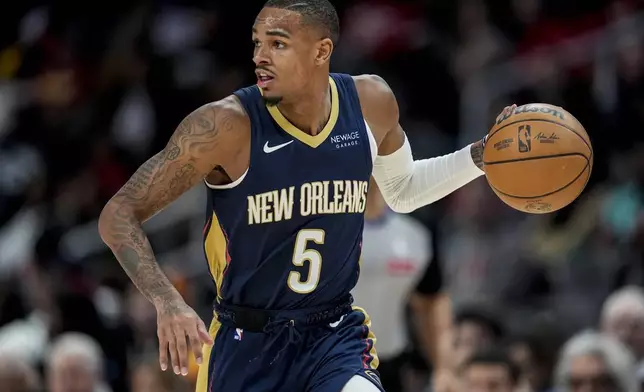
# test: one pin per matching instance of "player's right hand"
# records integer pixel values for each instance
(180, 329)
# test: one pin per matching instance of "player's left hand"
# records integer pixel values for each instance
(507, 111)
(478, 148)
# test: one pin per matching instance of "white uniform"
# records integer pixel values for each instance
(395, 253)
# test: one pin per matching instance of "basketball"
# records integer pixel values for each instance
(538, 159)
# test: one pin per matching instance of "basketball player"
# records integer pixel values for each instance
(287, 163)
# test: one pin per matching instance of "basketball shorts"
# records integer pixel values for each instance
(290, 355)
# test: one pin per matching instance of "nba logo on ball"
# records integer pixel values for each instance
(524, 138)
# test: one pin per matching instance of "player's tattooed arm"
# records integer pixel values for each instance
(192, 152)
(477, 153)
(211, 136)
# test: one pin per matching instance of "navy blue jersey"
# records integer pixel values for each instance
(289, 234)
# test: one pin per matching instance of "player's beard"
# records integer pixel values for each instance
(272, 101)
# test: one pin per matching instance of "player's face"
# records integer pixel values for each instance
(287, 54)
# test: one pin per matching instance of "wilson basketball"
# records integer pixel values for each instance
(538, 159)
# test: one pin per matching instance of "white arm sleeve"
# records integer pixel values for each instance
(407, 184)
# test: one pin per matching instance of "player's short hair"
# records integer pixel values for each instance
(495, 356)
(318, 13)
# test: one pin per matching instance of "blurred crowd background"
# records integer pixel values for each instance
(89, 91)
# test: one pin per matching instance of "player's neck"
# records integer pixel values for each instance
(305, 111)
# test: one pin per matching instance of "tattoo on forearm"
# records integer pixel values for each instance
(157, 183)
(477, 154)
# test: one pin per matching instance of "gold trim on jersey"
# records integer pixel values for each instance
(204, 368)
(215, 244)
(371, 359)
(310, 140)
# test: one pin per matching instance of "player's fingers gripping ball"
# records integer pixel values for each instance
(538, 158)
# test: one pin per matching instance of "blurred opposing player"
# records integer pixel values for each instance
(399, 266)
(287, 163)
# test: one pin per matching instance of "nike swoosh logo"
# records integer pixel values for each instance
(335, 324)
(268, 149)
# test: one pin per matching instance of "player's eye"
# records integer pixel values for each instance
(256, 43)
(279, 44)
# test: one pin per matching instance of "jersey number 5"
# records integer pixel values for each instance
(301, 255)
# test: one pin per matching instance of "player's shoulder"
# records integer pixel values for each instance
(377, 100)
(227, 116)
(228, 109)
(373, 87)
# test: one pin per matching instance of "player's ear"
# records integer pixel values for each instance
(324, 50)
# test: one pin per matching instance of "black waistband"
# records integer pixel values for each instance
(259, 320)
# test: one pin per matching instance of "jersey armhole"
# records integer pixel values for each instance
(373, 146)
(227, 186)
(241, 95)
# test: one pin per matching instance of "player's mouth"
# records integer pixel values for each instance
(264, 79)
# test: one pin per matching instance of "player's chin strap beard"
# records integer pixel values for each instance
(277, 328)
(272, 101)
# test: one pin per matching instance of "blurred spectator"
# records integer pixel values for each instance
(623, 318)
(75, 364)
(482, 241)
(534, 350)
(25, 338)
(18, 376)
(143, 319)
(480, 42)
(147, 377)
(489, 370)
(476, 327)
(592, 362)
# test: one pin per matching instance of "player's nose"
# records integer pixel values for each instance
(261, 57)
